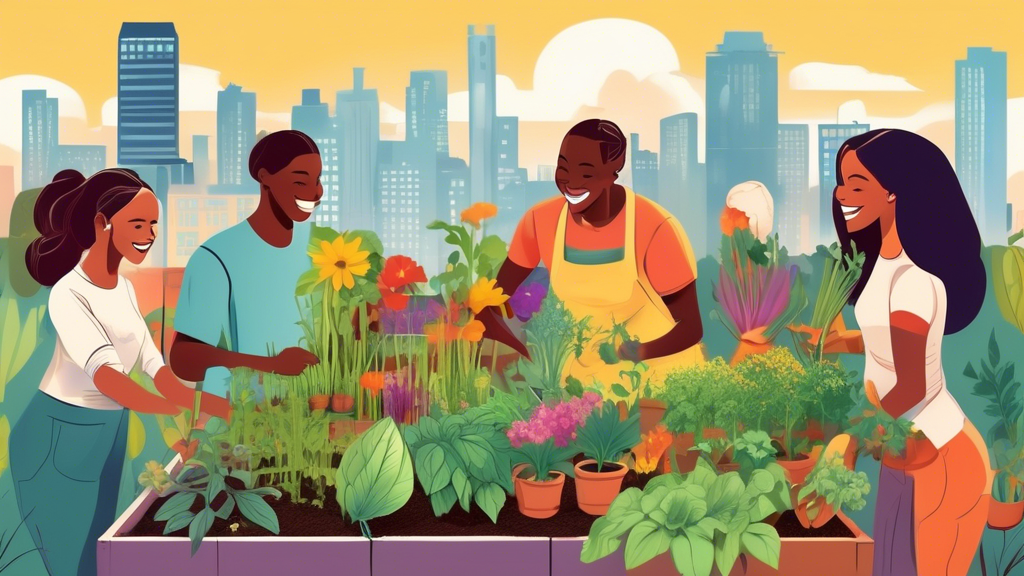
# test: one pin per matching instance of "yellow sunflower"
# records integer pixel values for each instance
(341, 262)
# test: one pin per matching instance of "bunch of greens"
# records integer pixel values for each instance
(375, 477)
(221, 488)
(465, 458)
(842, 272)
(880, 434)
(703, 520)
(704, 396)
(753, 451)
(834, 485)
(606, 438)
(779, 374)
(553, 336)
(827, 389)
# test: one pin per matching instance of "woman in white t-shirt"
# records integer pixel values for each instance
(67, 450)
(899, 200)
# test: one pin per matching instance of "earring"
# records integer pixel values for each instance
(106, 228)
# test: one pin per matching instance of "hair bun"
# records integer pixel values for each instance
(55, 200)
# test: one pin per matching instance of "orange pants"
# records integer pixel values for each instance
(951, 505)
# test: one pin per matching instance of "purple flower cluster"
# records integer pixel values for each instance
(527, 300)
(398, 397)
(559, 422)
(410, 320)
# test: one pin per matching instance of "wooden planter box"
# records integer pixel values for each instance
(121, 555)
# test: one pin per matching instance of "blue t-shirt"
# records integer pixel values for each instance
(238, 293)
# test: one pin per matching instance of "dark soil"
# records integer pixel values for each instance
(788, 526)
(416, 518)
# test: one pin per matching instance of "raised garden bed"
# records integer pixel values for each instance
(413, 541)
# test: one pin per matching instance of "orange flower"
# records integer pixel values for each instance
(473, 332)
(479, 212)
(372, 381)
(732, 220)
(393, 300)
(434, 331)
(652, 446)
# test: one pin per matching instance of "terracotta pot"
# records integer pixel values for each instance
(596, 490)
(797, 470)
(651, 413)
(686, 459)
(1003, 516)
(319, 402)
(342, 403)
(919, 453)
(539, 499)
(714, 434)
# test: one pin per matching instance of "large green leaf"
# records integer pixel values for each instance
(443, 500)
(490, 498)
(1008, 283)
(762, 542)
(256, 509)
(369, 241)
(693, 554)
(199, 527)
(646, 541)
(601, 542)
(175, 505)
(376, 476)
(178, 522)
(463, 488)
(433, 472)
(683, 508)
(724, 494)
(727, 550)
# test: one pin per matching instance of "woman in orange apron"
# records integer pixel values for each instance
(615, 257)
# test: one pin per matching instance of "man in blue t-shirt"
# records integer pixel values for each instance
(237, 298)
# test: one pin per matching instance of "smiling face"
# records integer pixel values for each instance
(581, 176)
(296, 188)
(861, 197)
(133, 228)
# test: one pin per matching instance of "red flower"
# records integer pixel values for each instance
(401, 271)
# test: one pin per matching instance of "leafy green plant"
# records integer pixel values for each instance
(779, 374)
(880, 434)
(842, 272)
(827, 392)
(1008, 283)
(703, 520)
(834, 485)
(462, 458)
(604, 437)
(20, 324)
(553, 336)
(205, 476)
(698, 397)
(753, 450)
(375, 477)
(7, 556)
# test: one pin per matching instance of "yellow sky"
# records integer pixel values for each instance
(276, 48)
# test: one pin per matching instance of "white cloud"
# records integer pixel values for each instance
(69, 103)
(845, 78)
(575, 65)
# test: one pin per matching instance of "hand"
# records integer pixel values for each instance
(497, 330)
(872, 394)
(292, 361)
(630, 351)
(167, 408)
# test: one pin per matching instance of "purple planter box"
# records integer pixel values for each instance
(495, 556)
(565, 560)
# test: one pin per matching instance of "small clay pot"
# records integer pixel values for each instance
(540, 499)
(797, 470)
(319, 402)
(342, 403)
(1003, 516)
(595, 490)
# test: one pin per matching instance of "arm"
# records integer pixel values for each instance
(181, 395)
(523, 257)
(688, 330)
(909, 341)
(190, 358)
(121, 389)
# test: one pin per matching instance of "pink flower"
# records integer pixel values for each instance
(558, 423)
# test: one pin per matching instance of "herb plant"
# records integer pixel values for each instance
(834, 485)
(705, 396)
(605, 438)
(779, 374)
(880, 434)
(553, 336)
(462, 458)
(842, 272)
(375, 477)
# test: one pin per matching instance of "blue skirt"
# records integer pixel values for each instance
(66, 463)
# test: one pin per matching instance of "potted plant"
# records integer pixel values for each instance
(553, 335)
(545, 446)
(831, 486)
(603, 439)
(693, 524)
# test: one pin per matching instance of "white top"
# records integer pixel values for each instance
(900, 285)
(96, 327)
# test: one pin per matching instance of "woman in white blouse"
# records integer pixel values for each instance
(68, 448)
(900, 202)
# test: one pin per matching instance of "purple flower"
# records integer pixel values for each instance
(398, 398)
(527, 300)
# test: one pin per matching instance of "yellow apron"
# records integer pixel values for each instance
(618, 292)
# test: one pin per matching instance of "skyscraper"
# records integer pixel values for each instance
(358, 112)
(6, 199)
(545, 173)
(679, 190)
(645, 169)
(38, 137)
(147, 94)
(830, 139)
(88, 160)
(482, 115)
(506, 146)
(314, 120)
(236, 134)
(793, 183)
(981, 138)
(407, 201)
(742, 100)
(426, 109)
(201, 159)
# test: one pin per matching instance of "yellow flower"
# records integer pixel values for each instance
(479, 212)
(484, 294)
(341, 262)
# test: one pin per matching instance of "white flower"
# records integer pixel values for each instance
(753, 199)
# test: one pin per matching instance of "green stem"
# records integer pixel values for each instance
(1016, 237)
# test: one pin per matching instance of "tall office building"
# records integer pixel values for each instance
(88, 160)
(679, 190)
(314, 120)
(981, 138)
(6, 199)
(426, 109)
(236, 134)
(793, 184)
(358, 113)
(742, 118)
(147, 94)
(545, 173)
(407, 201)
(482, 115)
(201, 159)
(830, 139)
(506, 145)
(644, 168)
(39, 133)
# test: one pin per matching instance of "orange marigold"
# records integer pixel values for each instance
(372, 381)
(479, 212)
(732, 220)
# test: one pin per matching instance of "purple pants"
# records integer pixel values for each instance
(894, 525)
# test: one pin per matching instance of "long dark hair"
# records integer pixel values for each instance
(935, 223)
(277, 150)
(613, 141)
(65, 214)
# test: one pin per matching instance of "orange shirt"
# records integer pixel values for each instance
(660, 249)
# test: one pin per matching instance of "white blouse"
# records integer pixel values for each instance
(96, 327)
(900, 285)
